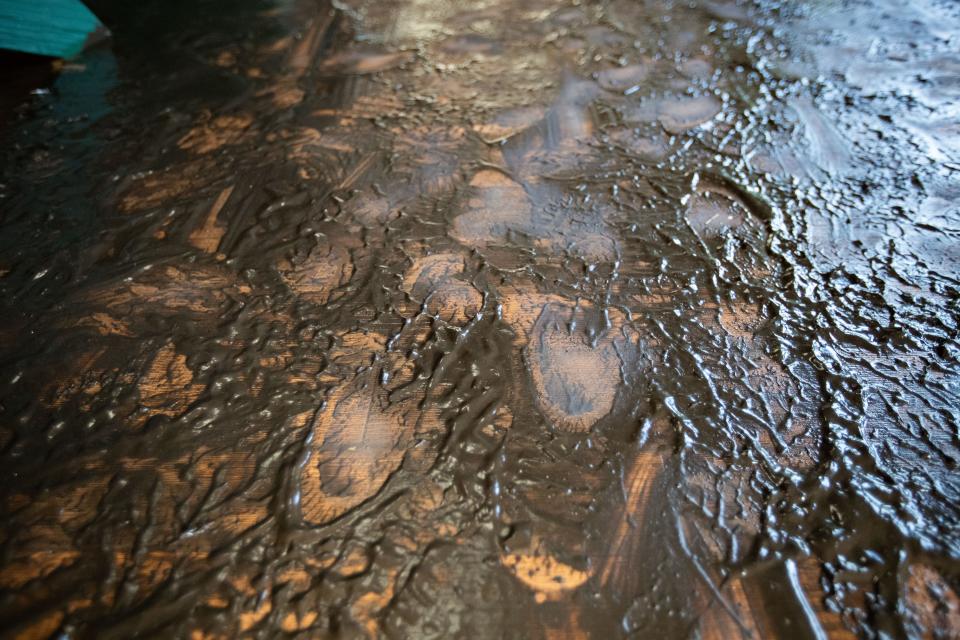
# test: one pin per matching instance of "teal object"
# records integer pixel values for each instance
(57, 28)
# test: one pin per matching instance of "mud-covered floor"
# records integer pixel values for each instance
(543, 319)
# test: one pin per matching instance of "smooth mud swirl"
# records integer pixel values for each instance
(542, 319)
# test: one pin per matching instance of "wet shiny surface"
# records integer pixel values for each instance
(550, 320)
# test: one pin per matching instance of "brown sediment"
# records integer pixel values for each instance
(166, 186)
(167, 386)
(215, 133)
(540, 320)
(639, 480)
(546, 576)
(208, 235)
(932, 603)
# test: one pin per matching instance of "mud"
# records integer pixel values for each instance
(413, 319)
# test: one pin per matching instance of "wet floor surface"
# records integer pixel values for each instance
(418, 319)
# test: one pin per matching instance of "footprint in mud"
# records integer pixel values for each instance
(361, 62)
(366, 430)
(498, 206)
(356, 444)
(571, 357)
(556, 334)
(647, 143)
(717, 207)
(676, 114)
(507, 123)
(213, 133)
(569, 123)
(167, 386)
(574, 365)
(436, 281)
(711, 214)
(575, 381)
(316, 276)
(623, 78)
(713, 211)
(319, 268)
(171, 290)
(500, 211)
(682, 113)
(826, 146)
(520, 204)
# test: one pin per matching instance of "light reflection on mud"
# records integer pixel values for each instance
(534, 320)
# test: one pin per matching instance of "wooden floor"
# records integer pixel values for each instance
(502, 320)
